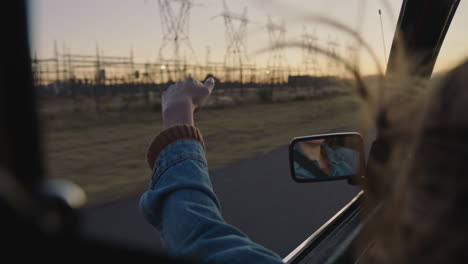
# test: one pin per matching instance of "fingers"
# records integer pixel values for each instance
(194, 82)
(179, 83)
(167, 89)
(190, 82)
(210, 84)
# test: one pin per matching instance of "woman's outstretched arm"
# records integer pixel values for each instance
(180, 201)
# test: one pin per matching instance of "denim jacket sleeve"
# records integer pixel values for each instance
(181, 204)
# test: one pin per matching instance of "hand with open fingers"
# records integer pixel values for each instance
(182, 99)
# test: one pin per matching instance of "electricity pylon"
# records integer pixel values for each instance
(236, 48)
(176, 48)
(309, 56)
(332, 63)
(277, 60)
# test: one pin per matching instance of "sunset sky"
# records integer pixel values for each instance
(121, 25)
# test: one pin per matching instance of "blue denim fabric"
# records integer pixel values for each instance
(181, 205)
(342, 162)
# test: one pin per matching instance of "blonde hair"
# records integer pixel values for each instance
(423, 217)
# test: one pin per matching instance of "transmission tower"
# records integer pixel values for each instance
(236, 48)
(176, 48)
(309, 57)
(276, 61)
(208, 56)
(353, 56)
(333, 64)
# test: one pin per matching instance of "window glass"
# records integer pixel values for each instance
(454, 49)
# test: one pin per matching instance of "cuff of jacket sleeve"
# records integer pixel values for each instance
(168, 136)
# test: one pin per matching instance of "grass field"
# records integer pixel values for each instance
(105, 153)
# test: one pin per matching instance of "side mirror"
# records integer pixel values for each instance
(327, 157)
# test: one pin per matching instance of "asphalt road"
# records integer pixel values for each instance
(258, 196)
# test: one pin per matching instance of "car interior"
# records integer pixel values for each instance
(41, 215)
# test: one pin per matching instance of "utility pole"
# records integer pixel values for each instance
(64, 59)
(36, 71)
(208, 57)
(98, 80)
(57, 64)
(383, 38)
(71, 73)
(332, 62)
(353, 58)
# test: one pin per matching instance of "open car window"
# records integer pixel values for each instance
(99, 76)
(100, 68)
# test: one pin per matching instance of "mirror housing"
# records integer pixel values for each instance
(327, 157)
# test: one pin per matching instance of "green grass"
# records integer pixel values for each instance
(105, 154)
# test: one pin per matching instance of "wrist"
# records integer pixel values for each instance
(178, 114)
(169, 136)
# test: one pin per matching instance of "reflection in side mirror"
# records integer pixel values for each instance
(326, 157)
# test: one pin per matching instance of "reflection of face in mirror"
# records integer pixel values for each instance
(324, 158)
